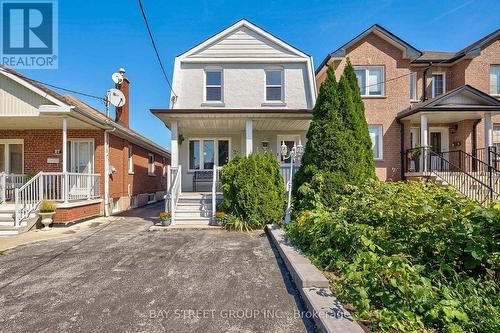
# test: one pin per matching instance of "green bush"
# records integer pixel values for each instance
(409, 256)
(254, 190)
(338, 150)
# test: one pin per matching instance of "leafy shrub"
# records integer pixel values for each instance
(165, 216)
(409, 256)
(254, 190)
(47, 207)
(233, 223)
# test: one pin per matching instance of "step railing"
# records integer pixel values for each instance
(454, 168)
(174, 192)
(215, 188)
(8, 183)
(57, 187)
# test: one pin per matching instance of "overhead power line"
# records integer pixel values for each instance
(155, 48)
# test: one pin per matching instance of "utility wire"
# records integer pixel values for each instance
(56, 87)
(155, 48)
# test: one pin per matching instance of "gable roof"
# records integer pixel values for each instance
(474, 98)
(86, 110)
(252, 31)
(408, 50)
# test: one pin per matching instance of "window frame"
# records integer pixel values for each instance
(7, 161)
(496, 127)
(443, 74)
(380, 141)
(205, 85)
(201, 140)
(282, 85)
(367, 68)
(497, 93)
(413, 92)
(151, 166)
(130, 160)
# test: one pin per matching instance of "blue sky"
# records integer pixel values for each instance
(98, 37)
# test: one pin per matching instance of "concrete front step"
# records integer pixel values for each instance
(10, 229)
(192, 220)
(192, 214)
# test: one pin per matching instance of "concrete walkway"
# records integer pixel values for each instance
(119, 276)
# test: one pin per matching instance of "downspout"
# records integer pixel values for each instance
(106, 170)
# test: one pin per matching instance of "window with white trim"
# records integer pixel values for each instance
(496, 137)
(205, 153)
(377, 142)
(413, 86)
(130, 159)
(213, 85)
(495, 80)
(370, 80)
(274, 85)
(438, 84)
(151, 164)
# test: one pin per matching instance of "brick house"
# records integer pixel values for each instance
(53, 147)
(428, 111)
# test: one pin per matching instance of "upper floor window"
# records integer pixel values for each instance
(370, 80)
(495, 80)
(438, 84)
(413, 86)
(274, 85)
(151, 164)
(213, 85)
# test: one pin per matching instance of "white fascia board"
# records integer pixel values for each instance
(54, 109)
(33, 88)
(244, 60)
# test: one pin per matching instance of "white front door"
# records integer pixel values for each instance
(12, 156)
(81, 156)
(439, 143)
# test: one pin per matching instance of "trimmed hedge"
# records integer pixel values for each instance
(254, 191)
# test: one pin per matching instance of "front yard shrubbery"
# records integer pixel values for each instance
(254, 192)
(409, 256)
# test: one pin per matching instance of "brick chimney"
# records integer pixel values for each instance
(122, 113)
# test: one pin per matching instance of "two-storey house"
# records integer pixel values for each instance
(427, 111)
(240, 91)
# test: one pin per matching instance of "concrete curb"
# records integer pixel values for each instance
(327, 312)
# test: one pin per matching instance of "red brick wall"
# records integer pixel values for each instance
(64, 215)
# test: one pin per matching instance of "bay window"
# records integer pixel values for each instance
(205, 153)
(376, 137)
(370, 80)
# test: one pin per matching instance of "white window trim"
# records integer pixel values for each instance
(382, 90)
(413, 76)
(92, 141)
(380, 141)
(496, 94)
(200, 151)
(285, 137)
(6, 156)
(281, 102)
(130, 159)
(213, 103)
(151, 165)
(444, 83)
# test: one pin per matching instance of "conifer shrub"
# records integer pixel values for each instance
(254, 191)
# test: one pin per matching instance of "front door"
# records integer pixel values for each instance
(438, 142)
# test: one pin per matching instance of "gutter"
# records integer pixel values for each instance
(106, 170)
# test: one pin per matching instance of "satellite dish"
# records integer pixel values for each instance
(116, 97)
(117, 78)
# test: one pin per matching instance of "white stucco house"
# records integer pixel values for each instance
(240, 91)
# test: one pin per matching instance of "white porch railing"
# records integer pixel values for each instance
(55, 186)
(286, 173)
(174, 192)
(215, 188)
(9, 182)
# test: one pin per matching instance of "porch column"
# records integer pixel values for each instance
(175, 144)
(249, 137)
(488, 130)
(65, 145)
(424, 138)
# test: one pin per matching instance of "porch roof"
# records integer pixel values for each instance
(465, 102)
(233, 120)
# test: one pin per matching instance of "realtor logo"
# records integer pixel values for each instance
(29, 34)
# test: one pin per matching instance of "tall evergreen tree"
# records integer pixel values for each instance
(335, 153)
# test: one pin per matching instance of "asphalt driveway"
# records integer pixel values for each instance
(119, 276)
